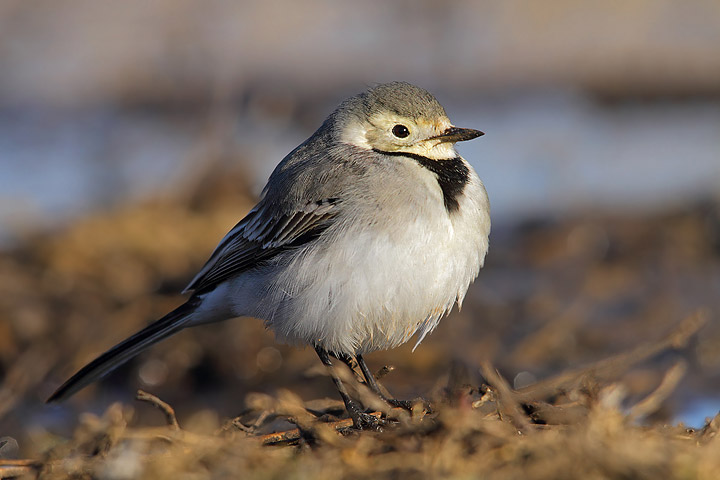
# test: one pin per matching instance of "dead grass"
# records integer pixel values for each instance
(569, 426)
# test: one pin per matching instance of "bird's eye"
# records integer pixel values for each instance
(400, 131)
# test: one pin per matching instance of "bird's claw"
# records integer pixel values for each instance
(366, 421)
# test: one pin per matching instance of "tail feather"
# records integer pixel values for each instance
(125, 350)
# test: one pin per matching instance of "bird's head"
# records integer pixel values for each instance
(399, 117)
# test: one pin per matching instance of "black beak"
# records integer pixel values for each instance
(455, 134)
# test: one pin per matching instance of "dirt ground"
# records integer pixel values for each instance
(578, 346)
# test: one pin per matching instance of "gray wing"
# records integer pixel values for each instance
(259, 237)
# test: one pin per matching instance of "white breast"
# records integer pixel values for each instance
(375, 283)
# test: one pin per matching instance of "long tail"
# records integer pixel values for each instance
(127, 349)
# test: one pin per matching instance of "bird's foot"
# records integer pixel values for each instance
(362, 420)
(367, 421)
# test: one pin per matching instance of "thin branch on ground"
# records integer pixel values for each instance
(160, 405)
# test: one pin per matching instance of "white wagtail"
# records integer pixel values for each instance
(366, 234)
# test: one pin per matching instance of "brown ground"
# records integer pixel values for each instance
(625, 307)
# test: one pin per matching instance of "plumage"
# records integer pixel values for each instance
(365, 235)
(257, 239)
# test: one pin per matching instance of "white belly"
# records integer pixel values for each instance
(376, 287)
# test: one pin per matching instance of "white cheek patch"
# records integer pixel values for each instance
(356, 134)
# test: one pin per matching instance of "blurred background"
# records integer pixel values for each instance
(134, 134)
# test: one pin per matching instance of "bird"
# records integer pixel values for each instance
(365, 236)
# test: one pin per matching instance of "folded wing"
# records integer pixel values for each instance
(259, 237)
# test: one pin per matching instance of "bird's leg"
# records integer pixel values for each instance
(370, 380)
(375, 387)
(361, 420)
(348, 360)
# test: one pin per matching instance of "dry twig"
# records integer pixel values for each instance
(160, 405)
(507, 403)
(295, 434)
(614, 366)
(18, 468)
(653, 402)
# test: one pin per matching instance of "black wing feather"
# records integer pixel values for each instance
(260, 237)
